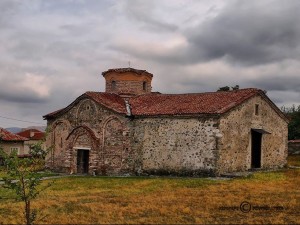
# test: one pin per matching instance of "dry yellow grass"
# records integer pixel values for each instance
(90, 200)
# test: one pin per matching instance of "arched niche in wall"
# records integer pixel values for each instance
(60, 132)
(113, 145)
(82, 136)
(86, 113)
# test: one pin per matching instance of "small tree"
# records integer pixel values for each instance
(22, 177)
(227, 88)
(293, 113)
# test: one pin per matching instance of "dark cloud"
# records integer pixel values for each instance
(244, 33)
(53, 51)
(249, 32)
(276, 83)
(142, 12)
(9, 9)
(21, 97)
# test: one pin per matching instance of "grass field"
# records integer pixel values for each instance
(274, 198)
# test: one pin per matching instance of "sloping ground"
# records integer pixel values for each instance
(263, 197)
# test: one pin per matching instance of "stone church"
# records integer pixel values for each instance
(130, 130)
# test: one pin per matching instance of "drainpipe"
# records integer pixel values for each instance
(128, 108)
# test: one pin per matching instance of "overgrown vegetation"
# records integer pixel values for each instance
(293, 113)
(21, 175)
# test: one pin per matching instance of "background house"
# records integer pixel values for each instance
(129, 129)
(33, 136)
(12, 142)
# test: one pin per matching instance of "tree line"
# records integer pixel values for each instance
(293, 114)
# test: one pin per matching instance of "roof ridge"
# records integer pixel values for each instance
(199, 93)
(127, 69)
(217, 102)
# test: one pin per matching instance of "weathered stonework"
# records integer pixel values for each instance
(128, 82)
(142, 133)
(235, 144)
(97, 130)
(175, 145)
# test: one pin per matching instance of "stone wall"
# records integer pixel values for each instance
(168, 145)
(235, 143)
(165, 144)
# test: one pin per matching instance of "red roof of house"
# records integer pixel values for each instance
(32, 134)
(5, 135)
(154, 104)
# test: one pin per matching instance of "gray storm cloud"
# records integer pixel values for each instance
(250, 33)
(53, 51)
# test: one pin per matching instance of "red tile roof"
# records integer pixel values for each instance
(5, 135)
(109, 100)
(154, 104)
(124, 70)
(184, 104)
(32, 134)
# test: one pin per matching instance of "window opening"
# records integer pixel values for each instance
(113, 85)
(256, 109)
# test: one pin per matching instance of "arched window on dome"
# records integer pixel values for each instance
(113, 85)
(144, 86)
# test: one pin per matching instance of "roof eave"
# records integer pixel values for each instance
(203, 115)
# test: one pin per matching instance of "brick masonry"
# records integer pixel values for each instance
(127, 87)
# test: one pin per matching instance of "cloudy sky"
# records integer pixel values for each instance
(53, 51)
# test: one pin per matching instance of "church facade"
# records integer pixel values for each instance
(130, 130)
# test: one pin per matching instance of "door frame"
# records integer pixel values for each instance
(77, 149)
(256, 149)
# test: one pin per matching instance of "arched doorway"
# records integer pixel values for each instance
(83, 150)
